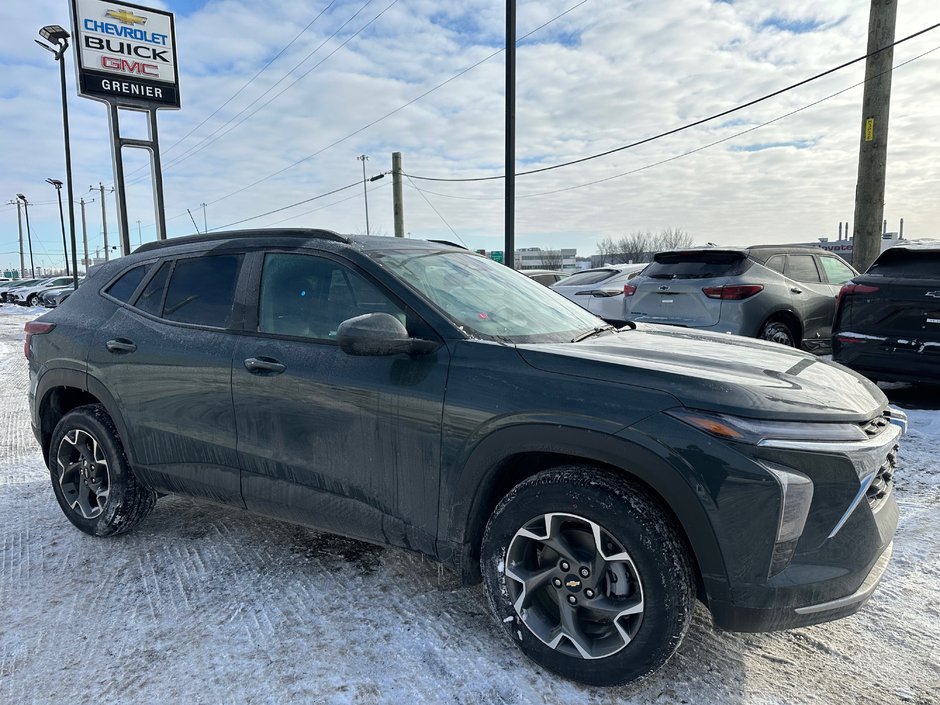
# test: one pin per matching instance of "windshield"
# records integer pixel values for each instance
(489, 300)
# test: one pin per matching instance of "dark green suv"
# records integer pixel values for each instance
(409, 393)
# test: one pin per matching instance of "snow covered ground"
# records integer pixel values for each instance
(210, 605)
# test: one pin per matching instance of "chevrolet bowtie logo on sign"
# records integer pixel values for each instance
(934, 294)
(126, 53)
(126, 16)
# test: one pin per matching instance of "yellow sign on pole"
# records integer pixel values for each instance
(869, 129)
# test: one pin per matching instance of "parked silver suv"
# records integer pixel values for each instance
(785, 294)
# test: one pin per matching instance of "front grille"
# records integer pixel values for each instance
(880, 487)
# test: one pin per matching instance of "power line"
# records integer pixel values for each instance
(214, 136)
(393, 112)
(435, 210)
(683, 154)
(251, 80)
(292, 205)
(687, 126)
(328, 205)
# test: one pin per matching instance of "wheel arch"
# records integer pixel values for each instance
(60, 391)
(508, 456)
(788, 316)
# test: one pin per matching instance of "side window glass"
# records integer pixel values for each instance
(802, 268)
(836, 272)
(124, 288)
(309, 297)
(151, 297)
(202, 290)
(777, 263)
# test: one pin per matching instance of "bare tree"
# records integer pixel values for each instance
(673, 239)
(552, 259)
(640, 246)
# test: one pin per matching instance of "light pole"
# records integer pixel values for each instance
(104, 217)
(365, 194)
(85, 230)
(140, 238)
(56, 35)
(19, 225)
(29, 237)
(205, 220)
(58, 189)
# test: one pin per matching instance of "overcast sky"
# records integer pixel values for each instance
(602, 75)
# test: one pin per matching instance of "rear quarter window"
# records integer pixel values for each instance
(696, 265)
(913, 264)
(127, 283)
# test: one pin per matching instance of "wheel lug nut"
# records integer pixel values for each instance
(589, 593)
(564, 565)
(556, 582)
(572, 599)
(584, 572)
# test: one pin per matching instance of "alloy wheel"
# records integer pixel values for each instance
(574, 586)
(84, 477)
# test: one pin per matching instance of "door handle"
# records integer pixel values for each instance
(796, 290)
(120, 345)
(258, 365)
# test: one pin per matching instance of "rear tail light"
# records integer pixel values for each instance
(35, 328)
(850, 289)
(732, 293)
(629, 290)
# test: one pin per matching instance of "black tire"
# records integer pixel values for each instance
(33, 300)
(660, 579)
(777, 331)
(95, 487)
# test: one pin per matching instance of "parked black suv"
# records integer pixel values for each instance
(888, 319)
(419, 395)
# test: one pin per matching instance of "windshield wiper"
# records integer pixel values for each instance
(591, 333)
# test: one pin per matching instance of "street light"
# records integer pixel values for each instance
(59, 38)
(58, 189)
(29, 237)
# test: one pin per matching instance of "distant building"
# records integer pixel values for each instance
(564, 260)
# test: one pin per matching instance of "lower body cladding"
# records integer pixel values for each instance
(804, 528)
(889, 359)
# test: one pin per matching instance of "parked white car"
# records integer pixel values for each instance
(29, 295)
(600, 290)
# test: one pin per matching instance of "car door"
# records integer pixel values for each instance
(810, 296)
(350, 444)
(166, 358)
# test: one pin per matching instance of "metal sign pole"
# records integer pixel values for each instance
(157, 176)
(120, 195)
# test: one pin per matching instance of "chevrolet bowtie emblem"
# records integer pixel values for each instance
(934, 294)
(126, 16)
(572, 583)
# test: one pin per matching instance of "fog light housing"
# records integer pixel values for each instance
(796, 496)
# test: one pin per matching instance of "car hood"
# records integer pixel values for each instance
(716, 372)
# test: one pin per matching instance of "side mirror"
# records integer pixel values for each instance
(379, 334)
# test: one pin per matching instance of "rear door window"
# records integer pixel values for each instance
(837, 273)
(151, 298)
(913, 264)
(202, 290)
(802, 268)
(696, 265)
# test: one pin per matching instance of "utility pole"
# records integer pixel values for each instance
(365, 194)
(104, 221)
(57, 185)
(873, 146)
(140, 238)
(29, 236)
(19, 225)
(397, 197)
(509, 256)
(205, 220)
(84, 232)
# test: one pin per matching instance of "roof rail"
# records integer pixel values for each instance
(304, 233)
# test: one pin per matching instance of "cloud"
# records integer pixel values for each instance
(604, 75)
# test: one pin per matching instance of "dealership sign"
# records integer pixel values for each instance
(125, 53)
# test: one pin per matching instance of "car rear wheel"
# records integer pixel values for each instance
(776, 331)
(588, 575)
(91, 478)
(33, 300)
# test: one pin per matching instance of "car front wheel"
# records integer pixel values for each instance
(91, 478)
(588, 575)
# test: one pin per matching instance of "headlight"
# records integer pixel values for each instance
(755, 431)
